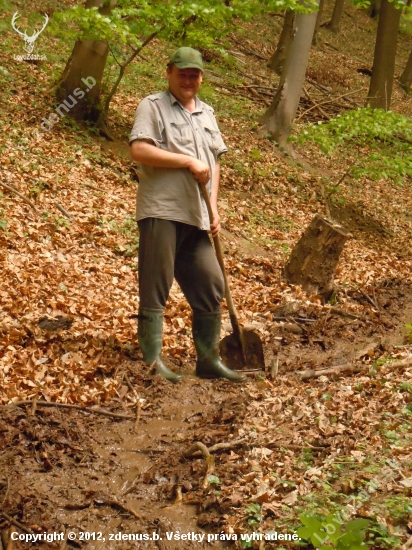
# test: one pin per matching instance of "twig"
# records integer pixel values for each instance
(25, 199)
(178, 497)
(210, 461)
(228, 445)
(116, 503)
(16, 523)
(63, 210)
(293, 447)
(138, 479)
(374, 299)
(368, 298)
(274, 368)
(300, 319)
(337, 311)
(328, 101)
(138, 401)
(90, 186)
(293, 320)
(76, 407)
(315, 106)
(103, 502)
(341, 179)
(310, 373)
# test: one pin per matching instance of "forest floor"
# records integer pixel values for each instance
(285, 446)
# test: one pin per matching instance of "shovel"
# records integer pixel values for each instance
(243, 348)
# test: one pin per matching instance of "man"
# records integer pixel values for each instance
(176, 139)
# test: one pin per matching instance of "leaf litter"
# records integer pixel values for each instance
(283, 446)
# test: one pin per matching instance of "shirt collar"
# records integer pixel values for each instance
(198, 105)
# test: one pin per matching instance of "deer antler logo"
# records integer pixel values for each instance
(29, 40)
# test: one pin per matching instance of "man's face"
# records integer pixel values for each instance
(184, 83)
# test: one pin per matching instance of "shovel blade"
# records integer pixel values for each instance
(231, 351)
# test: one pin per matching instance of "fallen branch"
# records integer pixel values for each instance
(139, 479)
(407, 362)
(138, 401)
(311, 373)
(76, 407)
(63, 210)
(115, 503)
(103, 502)
(326, 102)
(316, 106)
(228, 445)
(25, 199)
(90, 186)
(210, 462)
(16, 523)
(368, 298)
(293, 447)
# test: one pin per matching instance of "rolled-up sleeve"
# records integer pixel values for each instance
(148, 125)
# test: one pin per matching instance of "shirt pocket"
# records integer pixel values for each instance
(182, 133)
(212, 139)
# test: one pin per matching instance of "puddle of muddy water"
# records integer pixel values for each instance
(120, 457)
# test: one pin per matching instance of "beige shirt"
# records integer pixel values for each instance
(173, 193)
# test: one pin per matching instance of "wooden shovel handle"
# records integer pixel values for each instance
(216, 241)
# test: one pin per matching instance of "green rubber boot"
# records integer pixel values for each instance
(206, 335)
(149, 332)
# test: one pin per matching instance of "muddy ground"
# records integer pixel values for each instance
(70, 471)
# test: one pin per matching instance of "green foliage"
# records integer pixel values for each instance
(408, 328)
(199, 24)
(381, 537)
(325, 532)
(213, 480)
(385, 134)
(254, 514)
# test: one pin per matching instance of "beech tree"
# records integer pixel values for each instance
(87, 61)
(277, 121)
(334, 23)
(277, 60)
(380, 90)
(124, 28)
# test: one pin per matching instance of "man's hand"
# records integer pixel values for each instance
(200, 171)
(215, 225)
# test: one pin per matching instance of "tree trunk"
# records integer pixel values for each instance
(80, 83)
(334, 23)
(314, 258)
(380, 90)
(318, 22)
(277, 121)
(405, 80)
(277, 60)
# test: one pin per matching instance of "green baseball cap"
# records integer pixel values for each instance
(187, 58)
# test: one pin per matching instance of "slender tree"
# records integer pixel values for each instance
(86, 63)
(277, 121)
(277, 60)
(334, 24)
(405, 79)
(380, 90)
(318, 22)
